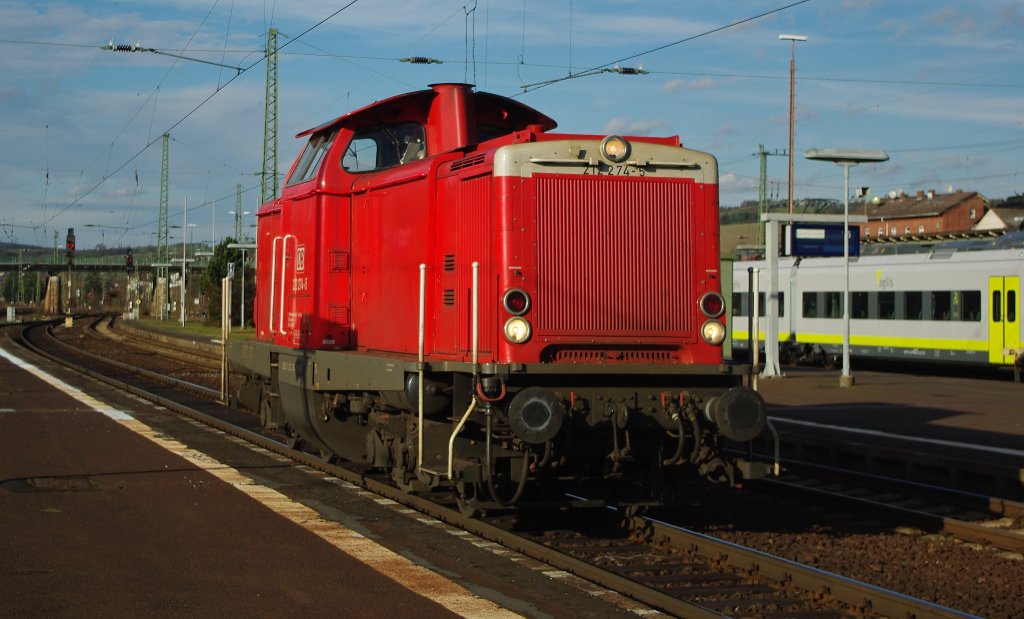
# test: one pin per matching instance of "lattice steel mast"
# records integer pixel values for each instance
(162, 226)
(268, 181)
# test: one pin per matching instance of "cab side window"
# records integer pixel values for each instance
(311, 158)
(385, 146)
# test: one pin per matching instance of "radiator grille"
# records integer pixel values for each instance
(600, 356)
(339, 260)
(614, 255)
(338, 314)
(468, 162)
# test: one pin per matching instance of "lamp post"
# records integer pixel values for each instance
(184, 258)
(184, 262)
(238, 223)
(846, 159)
(792, 38)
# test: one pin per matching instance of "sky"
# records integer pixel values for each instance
(938, 85)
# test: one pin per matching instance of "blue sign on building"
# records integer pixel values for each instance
(814, 240)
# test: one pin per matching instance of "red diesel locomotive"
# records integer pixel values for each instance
(451, 293)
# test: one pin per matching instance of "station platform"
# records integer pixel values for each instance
(972, 418)
(112, 507)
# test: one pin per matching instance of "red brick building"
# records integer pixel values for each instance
(924, 215)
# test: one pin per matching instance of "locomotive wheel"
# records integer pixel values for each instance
(406, 481)
(467, 501)
(293, 440)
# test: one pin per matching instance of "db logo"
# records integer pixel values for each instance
(300, 258)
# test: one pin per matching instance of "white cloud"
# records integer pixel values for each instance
(628, 126)
(680, 85)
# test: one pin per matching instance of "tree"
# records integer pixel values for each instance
(217, 270)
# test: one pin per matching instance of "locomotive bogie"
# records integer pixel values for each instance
(367, 412)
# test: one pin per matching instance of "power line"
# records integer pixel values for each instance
(595, 70)
(174, 125)
(326, 54)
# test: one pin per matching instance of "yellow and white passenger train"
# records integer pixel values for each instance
(957, 302)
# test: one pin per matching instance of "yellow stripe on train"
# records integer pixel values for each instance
(878, 341)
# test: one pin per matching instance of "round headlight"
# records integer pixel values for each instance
(517, 330)
(712, 304)
(516, 301)
(615, 148)
(713, 332)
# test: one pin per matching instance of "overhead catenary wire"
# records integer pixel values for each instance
(177, 123)
(547, 65)
(597, 69)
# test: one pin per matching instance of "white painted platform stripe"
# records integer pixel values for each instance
(77, 394)
(902, 437)
(416, 578)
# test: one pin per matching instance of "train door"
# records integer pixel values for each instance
(1003, 318)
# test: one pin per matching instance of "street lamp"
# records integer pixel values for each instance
(792, 38)
(846, 159)
(184, 258)
(238, 223)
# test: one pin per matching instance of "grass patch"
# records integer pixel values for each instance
(194, 328)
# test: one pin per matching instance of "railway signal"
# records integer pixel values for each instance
(129, 260)
(70, 246)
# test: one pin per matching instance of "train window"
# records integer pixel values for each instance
(859, 301)
(312, 155)
(762, 305)
(970, 305)
(886, 305)
(913, 305)
(941, 305)
(737, 304)
(997, 306)
(377, 148)
(810, 303)
(1011, 306)
(833, 305)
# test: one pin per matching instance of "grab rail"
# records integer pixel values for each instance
(273, 271)
(476, 368)
(284, 268)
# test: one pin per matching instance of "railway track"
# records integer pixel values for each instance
(971, 517)
(680, 572)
